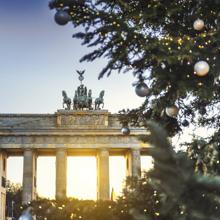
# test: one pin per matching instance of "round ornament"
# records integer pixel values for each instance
(201, 68)
(125, 131)
(62, 17)
(172, 111)
(142, 89)
(202, 111)
(198, 24)
(26, 216)
(185, 123)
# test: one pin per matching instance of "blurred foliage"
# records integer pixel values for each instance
(13, 199)
(171, 190)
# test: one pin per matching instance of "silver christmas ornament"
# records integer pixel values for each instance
(185, 123)
(62, 17)
(142, 89)
(198, 24)
(125, 131)
(172, 111)
(201, 68)
(202, 111)
(26, 216)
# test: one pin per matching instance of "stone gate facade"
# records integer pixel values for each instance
(66, 132)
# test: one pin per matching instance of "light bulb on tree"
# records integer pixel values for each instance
(201, 68)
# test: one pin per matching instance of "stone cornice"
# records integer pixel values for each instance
(69, 132)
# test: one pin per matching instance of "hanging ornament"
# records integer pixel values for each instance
(125, 131)
(185, 123)
(202, 111)
(198, 24)
(142, 89)
(62, 17)
(26, 215)
(201, 68)
(172, 111)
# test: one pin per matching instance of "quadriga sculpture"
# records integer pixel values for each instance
(66, 100)
(81, 99)
(99, 100)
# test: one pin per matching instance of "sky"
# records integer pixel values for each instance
(39, 59)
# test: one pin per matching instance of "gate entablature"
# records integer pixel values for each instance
(69, 129)
(82, 119)
(68, 132)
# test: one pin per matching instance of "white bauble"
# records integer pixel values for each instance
(198, 24)
(172, 111)
(201, 68)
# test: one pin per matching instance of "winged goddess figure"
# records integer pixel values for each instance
(81, 77)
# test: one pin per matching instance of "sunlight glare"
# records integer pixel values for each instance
(46, 177)
(146, 163)
(81, 177)
(117, 173)
(13, 175)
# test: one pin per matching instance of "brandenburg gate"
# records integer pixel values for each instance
(79, 131)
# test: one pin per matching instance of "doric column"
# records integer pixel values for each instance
(61, 173)
(29, 176)
(103, 175)
(3, 169)
(133, 163)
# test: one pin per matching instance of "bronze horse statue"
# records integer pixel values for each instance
(66, 100)
(99, 100)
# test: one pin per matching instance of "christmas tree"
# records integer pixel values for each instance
(173, 49)
(171, 46)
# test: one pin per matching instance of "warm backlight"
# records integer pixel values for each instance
(81, 175)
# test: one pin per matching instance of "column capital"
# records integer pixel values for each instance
(61, 149)
(135, 149)
(103, 149)
(29, 149)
